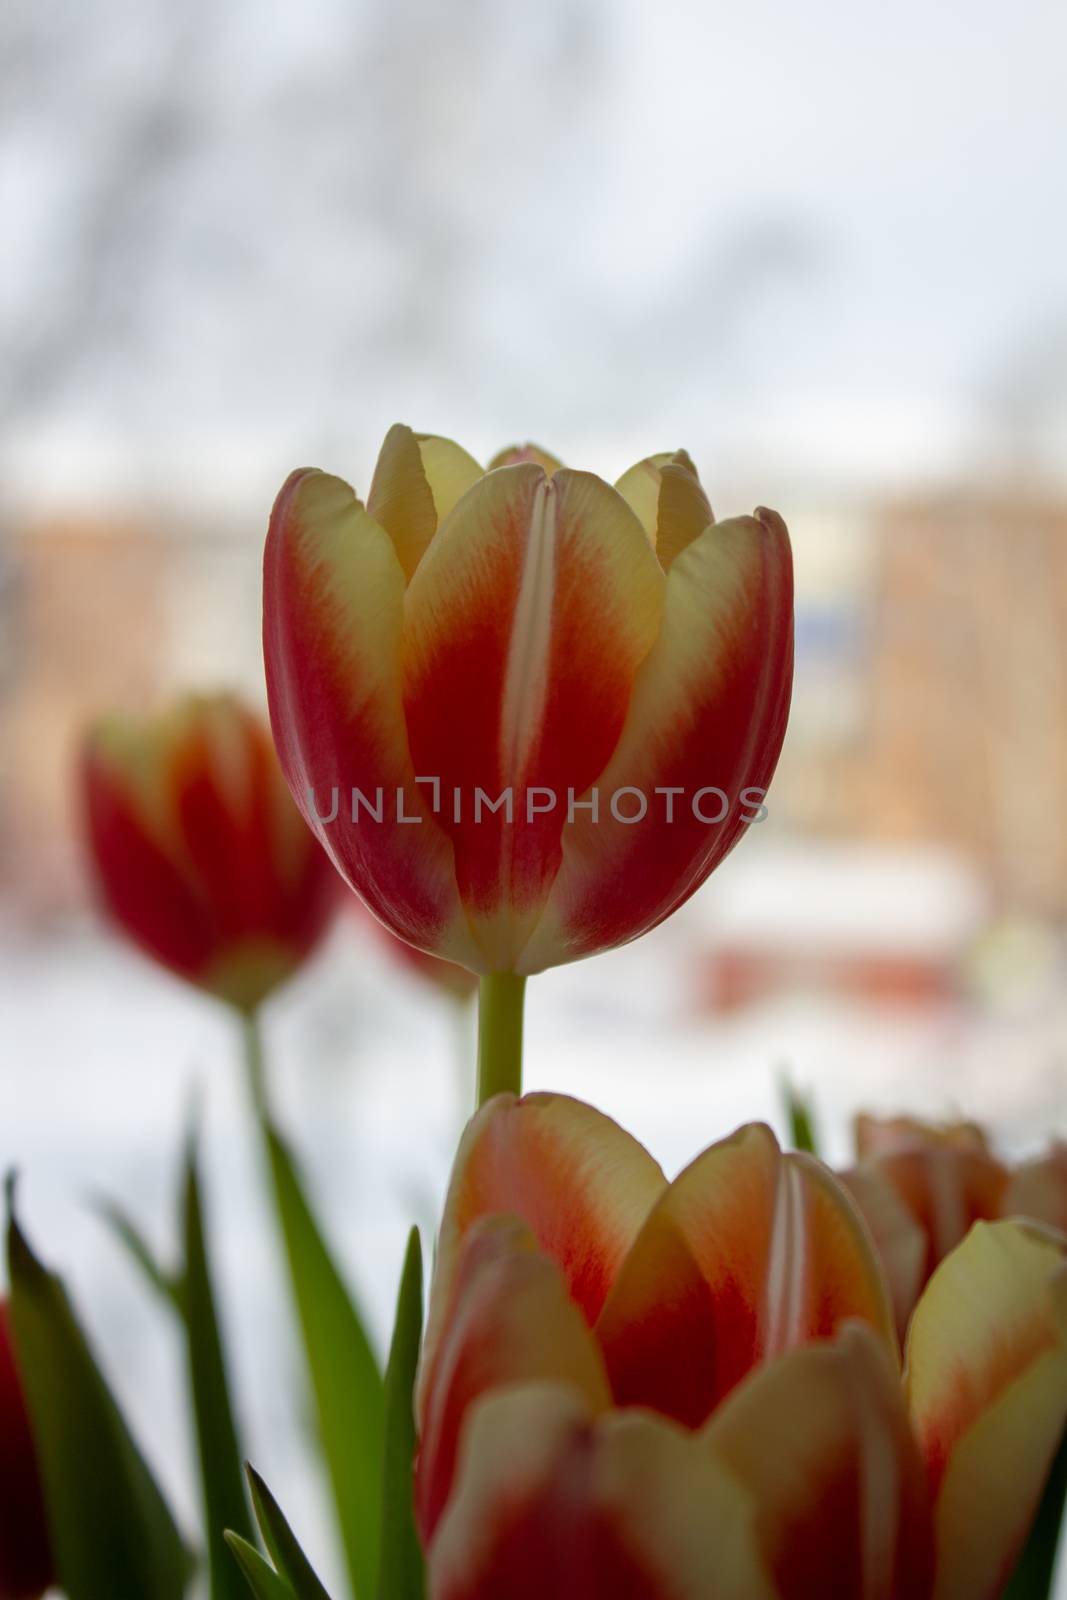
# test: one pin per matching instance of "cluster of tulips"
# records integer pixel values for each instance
(759, 1381)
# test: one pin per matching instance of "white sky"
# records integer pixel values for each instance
(807, 240)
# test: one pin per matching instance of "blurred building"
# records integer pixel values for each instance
(964, 732)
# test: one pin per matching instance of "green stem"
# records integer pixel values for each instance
(500, 998)
(253, 1059)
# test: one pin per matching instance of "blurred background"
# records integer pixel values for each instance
(822, 247)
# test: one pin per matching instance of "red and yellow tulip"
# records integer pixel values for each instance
(200, 855)
(693, 1389)
(26, 1567)
(591, 661)
(921, 1186)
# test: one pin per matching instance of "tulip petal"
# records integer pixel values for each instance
(1038, 1189)
(876, 1136)
(550, 1502)
(708, 711)
(509, 1320)
(665, 493)
(986, 1386)
(202, 857)
(524, 627)
(515, 454)
(581, 1184)
(946, 1187)
(333, 607)
(898, 1238)
(418, 479)
(748, 1253)
(821, 1440)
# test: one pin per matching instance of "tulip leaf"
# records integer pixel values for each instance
(166, 1284)
(800, 1111)
(289, 1560)
(222, 1480)
(400, 1567)
(259, 1575)
(1034, 1572)
(112, 1533)
(345, 1379)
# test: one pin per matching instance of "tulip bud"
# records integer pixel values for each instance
(201, 856)
(26, 1569)
(526, 713)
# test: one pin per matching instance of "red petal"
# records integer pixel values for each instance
(748, 1253)
(551, 1503)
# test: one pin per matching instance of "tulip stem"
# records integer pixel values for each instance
(253, 1056)
(500, 1001)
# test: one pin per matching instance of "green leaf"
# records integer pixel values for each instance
(400, 1567)
(222, 1480)
(111, 1531)
(1033, 1575)
(259, 1575)
(345, 1379)
(285, 1552)
(802, 1135)
(139, 1250)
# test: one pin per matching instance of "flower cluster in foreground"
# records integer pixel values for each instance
(489, 688)
(631, 1387)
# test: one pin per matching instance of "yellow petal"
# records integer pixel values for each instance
(515, 454)
(418, 479)
(986, 1385)
(666, 495)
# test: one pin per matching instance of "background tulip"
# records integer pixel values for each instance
(201, 856)
(519, 632)
(921, 1186)
(26, 1568)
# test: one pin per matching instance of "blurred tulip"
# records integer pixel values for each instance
(688, 1390)
(533, 640)
(921, 1186)
(26, 1569)
(201, 856)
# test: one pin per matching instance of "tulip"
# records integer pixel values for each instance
(26, 1568)
(921, 1187)
(673, 1391)
(647, 1293)
(200, 855)
(526, 713)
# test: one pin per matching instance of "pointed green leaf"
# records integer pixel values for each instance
(1033, 1575)
(345, 1379)
(400, 1567)
(139, 1250)
(259, 1575)
(222, 1480)
(111, 1531)
(278, 1536)
(799, 1110)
